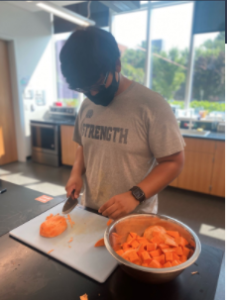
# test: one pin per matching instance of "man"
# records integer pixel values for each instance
(130, 146)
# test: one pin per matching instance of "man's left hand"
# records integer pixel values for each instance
(119, 206)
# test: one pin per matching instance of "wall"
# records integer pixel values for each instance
(32, 67)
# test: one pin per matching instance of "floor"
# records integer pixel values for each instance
(205, 214)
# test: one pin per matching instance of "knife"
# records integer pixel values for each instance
(70, 203)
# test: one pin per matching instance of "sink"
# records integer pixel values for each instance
(191, 132)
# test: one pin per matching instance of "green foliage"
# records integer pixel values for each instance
(70, 102)
(204, 105)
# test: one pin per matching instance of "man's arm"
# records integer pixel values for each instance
(166, 171)
(75, 181)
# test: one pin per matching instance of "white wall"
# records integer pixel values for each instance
(31, 49)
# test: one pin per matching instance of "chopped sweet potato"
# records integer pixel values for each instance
(84, 297)
(186, 251)
(155, 253)
(169, 256)
(53, 226)
(100, 243)
(120, 252)
(135, 244)
(174, 234)
(146, 257)
(151, 247)
(50, 251)
(152, 230)
(126, 246)
(109, 222)
(167, 265)
(155, 264)
(71, 239)
(161, 259)
(179, 250)
(70, 221)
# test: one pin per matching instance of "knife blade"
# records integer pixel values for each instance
(70, 203)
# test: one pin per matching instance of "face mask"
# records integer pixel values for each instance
(105, 96)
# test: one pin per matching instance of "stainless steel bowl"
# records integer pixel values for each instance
(138, 223)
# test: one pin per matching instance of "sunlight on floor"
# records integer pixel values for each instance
(18, 178)
(211, 231)
(48, 188)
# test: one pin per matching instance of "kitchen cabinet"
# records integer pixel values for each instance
(218, 174)
(204, 169)
(8, 147)
(68, 146)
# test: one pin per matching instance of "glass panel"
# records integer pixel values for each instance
(129, 31)
(208, 90)
(47, 138)
(170, 34)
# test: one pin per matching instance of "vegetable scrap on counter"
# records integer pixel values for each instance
(84, 297)
(100, 243)
(53, 226)
(157, 248)
(71, 239)
(70, 221)
(69, 246)
(50, 251)
(109, 222)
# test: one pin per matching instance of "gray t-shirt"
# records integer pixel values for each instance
(122, 141)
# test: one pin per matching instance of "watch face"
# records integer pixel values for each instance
(138, 194)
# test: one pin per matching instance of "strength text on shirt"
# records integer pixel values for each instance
(115, 134)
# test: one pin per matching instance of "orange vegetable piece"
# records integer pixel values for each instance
(133, 257)
(151, 247)
(183, 258)
(141, 249)
(179, 250)
(167, 265)
(157, 240)
(176, 256)
(161, 259)
(50, 251)
(144, 264)
(169, 256)
(100, 243)
(116, 241)
(133, 234)
(145, 257)
(109, 222)
(70, 221)
(181, 241)
(155, 264)
(174, 234)
(53, 226)
(186, 251)
(84, 297)
(120, 252)
(169, 250)
(163, 246)
(155, 253)
(176, 262)
(170, 241)
(135, 244)
(70, 240)
(126, 246)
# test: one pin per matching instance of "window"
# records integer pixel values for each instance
(129, 31)
(170, 41)
(64, 94)
(208, 87)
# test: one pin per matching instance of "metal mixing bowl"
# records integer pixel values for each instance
(138, 223)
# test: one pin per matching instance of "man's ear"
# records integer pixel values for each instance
(118, 65)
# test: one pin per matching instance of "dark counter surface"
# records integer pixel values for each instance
(70, 122)
(219, 136)
(29, 274)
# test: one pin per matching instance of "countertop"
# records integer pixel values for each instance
(31, 275)
(212, 136)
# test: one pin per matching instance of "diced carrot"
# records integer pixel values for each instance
(175, 256)
(154, 264)
(174, 234)
(145, 257)
(126, 246)
(169, 256)
(109, 222)
(120, 252)
(163, 246)
(186, 251)
(155, 253)
(183, 258)
(179, 250)
(181, 241)
(167, 265)
(100, 243)
(135, 244)
(151, 247)
(160, 259)
(176, 262)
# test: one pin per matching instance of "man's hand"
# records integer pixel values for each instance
(75, 182)
(119, 206)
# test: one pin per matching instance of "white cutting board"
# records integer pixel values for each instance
(96, 263)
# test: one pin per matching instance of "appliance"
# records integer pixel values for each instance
(80, 254)
(45, 134)
(221, 127)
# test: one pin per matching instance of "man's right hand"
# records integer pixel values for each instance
(75, 182)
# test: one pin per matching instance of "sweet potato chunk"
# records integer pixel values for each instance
(53, 226)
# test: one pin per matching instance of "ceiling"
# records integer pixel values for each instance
(30, 6)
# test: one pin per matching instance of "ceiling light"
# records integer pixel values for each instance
(65, 14)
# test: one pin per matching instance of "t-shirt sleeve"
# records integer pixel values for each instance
(164, 135)
(77, 131)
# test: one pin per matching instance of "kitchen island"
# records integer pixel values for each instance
(29, 274)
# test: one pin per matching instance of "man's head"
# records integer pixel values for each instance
(87, 57)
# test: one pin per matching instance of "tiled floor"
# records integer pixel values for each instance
(205, 214)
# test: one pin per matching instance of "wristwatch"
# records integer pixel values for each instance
(138, 194)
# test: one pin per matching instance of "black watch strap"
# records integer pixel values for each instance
(138, 194)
